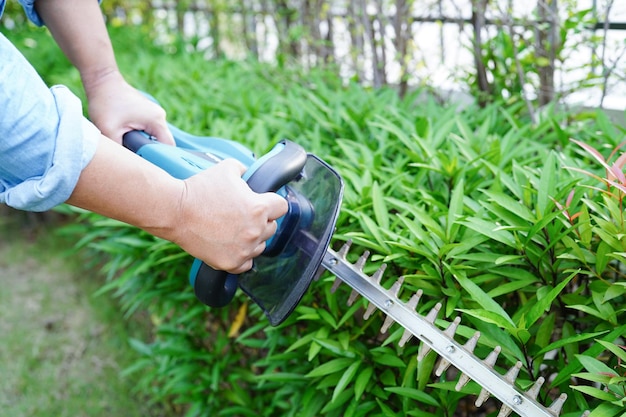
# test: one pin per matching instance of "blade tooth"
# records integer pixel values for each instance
(511, 375)
(432, 314)
(463, 380)
(319, 273)
(352, 298)
(556, 406)
(451, 330)
(586, 413)
(336, 285)
(505, 411)
(394, 291)
(406, 336)
(369, 311)
(423, 351)
(415, 298)
(442, 366)
(482, 397)
(378, 275)
(344, 250)
(387, 323)
(490, 360)
(361, 262)
(534, 390)
(470, 345)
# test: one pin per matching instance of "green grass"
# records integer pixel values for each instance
(61, 349)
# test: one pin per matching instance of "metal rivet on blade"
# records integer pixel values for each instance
(517, 400)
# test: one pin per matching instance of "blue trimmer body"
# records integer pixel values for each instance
(313, 190)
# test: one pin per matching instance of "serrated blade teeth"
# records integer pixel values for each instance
(369, 311)
(482, 397)
(423, 351)
(511, 375)
(394, 291)
(534, 390)
(344, 249)
(415, 298)
(463, 379)
(442, 366)
(556, 406)
(432, 314)
(336, 285)
(378, 275)
(406, 336)
(451, 330)
(387, 323)
(505, 411)
(490, 360)
(360, 263)
(352, 298)
(470, 345)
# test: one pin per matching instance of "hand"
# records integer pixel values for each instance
(222, 221)
(115, 108)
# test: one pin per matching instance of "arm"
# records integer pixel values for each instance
(213, 215)
(114, 106)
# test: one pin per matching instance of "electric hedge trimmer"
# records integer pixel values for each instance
(299, 251)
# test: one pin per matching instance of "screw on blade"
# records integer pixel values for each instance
(442, 342)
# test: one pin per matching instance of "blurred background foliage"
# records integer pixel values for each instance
(480, 202)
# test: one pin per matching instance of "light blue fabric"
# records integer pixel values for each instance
(45, 142)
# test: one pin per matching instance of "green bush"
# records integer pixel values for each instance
(512, 225)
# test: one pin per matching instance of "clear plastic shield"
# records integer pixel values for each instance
(278, 280)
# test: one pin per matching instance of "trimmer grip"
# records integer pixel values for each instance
(213, 287)
(268, 174)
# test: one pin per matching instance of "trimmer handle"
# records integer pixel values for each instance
(270, 173)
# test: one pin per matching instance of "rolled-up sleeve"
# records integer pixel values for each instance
(45, 141)
(31, 13)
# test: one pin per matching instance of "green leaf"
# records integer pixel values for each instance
(455, 210)
(486, 302)
(330, 367)
(568, 341)
(380, 208)
(361, 382)
(544, 303)
(345, 379)
(414, 394)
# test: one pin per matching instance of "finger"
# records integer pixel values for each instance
(269, 231)
(246, 266)
(233, 165)
(162, 134)
(277, 205)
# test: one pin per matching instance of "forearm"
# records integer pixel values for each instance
(133, 191)
(78, 27)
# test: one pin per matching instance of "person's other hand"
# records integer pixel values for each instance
(115, 107)
(222, 221)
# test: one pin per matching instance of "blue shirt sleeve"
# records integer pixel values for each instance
(45, 141)
(29, 9)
